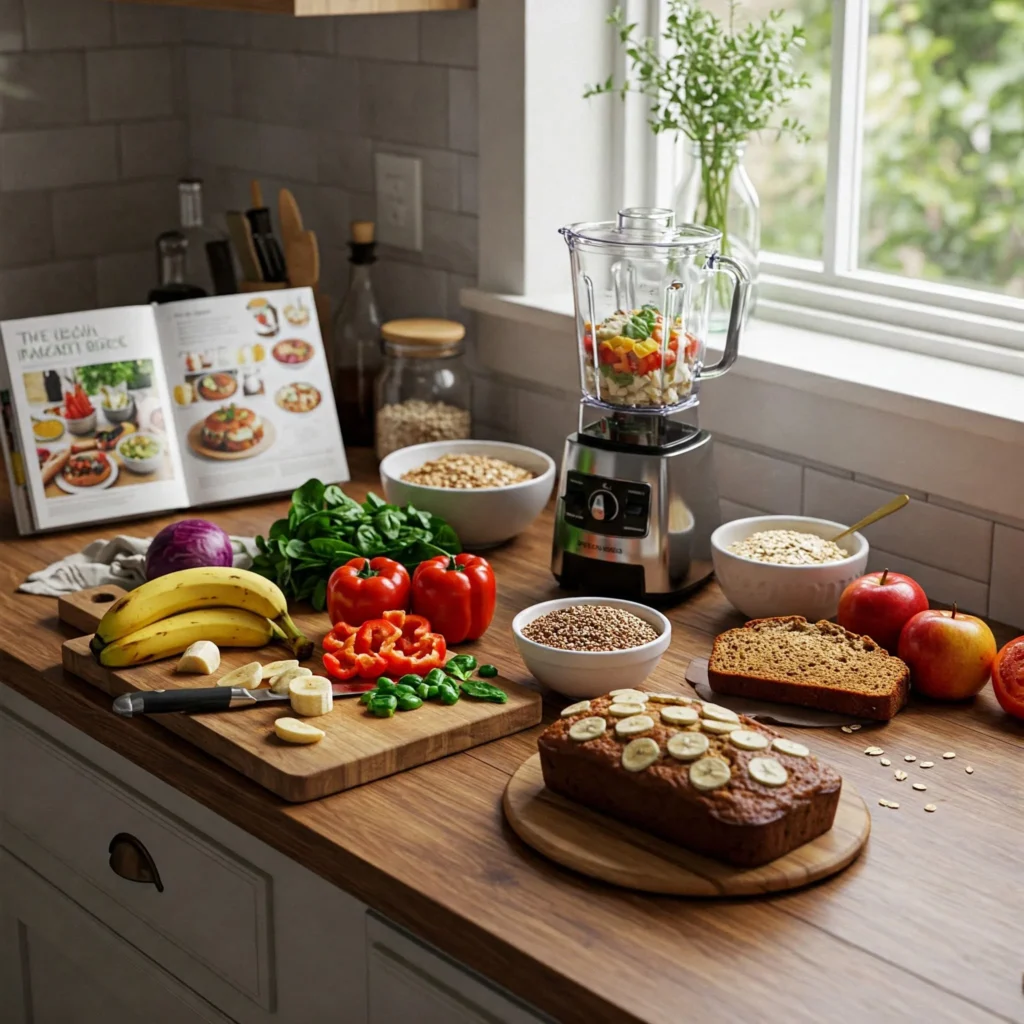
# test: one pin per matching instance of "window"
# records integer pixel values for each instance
(908, 204)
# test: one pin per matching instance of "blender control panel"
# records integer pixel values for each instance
(620, 508)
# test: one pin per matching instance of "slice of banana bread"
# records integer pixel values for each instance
(817, 665)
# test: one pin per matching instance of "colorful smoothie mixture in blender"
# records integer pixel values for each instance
(634, 365)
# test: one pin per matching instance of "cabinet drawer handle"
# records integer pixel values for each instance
(131, 860)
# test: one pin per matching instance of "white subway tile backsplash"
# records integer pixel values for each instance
(344, 160)
(448, 37)
(68, 24)
(951, 541)
(124, 279)
(130, 83)
(45, 89)
(543, 420)
(154, 149)
(295, 35)
(494, 401)
(887, 485)
(450, 240)
(758, 480)
(145, 24)
(974, 510)
(47, 288)
(468, 184)
(462, 110)
(378, 36)
(58, 157)
(287, 152)
(226, 142)
(330, 210)
(208, 79)
(105, 219)
(12, 26)
(734, 510)
(940, 586)
(405, 289)
(404, 102)
(26, 233)
(1006, 590)
(218, 28)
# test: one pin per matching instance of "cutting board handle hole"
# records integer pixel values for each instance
(103, 598)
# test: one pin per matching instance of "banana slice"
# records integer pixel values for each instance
(201, 658)
(587, 729)
(747, 739)
(629, 696)
(790, 747)
(311, 696)
(634, 725)
(767, 771)
(687, 746)
(719, 714)
(669, 698)
(709, 773)
(280, 682)
(640, 754)
(291, 730)
(623, 709)
(674, 714)
(248, 676)
(575, 709)
(274, 668)
(718, 728)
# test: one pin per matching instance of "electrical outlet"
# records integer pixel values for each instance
(399, 201)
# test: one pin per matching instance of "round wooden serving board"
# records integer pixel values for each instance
(598, 846)
(195, 438)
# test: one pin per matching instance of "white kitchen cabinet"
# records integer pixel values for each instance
(62, 966)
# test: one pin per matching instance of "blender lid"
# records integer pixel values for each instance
(644, 226)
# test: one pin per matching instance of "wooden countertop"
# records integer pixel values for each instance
(928, 925)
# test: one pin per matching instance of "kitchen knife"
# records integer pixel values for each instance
(205, 698)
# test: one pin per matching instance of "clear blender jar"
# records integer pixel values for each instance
(642, 287)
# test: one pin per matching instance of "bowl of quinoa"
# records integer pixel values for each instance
(586, 646)
(489, 491)
(786, 565)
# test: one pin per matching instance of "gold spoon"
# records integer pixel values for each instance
(872, 517)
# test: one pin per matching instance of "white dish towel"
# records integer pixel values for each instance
(121, 561)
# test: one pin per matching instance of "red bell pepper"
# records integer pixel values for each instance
(396, 644)
(364, 589)
(456, 594)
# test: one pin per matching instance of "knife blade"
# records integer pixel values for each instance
(206, 698)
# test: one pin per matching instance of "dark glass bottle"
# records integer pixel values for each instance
(171, 261)
(355, 347)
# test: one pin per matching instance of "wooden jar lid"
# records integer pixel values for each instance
(423, 331)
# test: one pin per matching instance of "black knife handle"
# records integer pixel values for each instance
(157, 702)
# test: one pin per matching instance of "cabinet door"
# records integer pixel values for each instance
(60, 965)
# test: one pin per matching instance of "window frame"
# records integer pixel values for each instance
(835, 293)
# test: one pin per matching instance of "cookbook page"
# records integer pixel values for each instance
(89, 404)
(253, 406)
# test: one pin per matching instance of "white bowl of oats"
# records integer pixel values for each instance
(489, 491)
(786, 565)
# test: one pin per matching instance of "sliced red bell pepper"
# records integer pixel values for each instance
(374, 633)
(336, 638)
(419, 658)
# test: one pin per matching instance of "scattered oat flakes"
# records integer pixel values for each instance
(846, 728)
(931, 807)
(920, 787)
(873, 751)
(948, 755)
(909, 757)
(969, 770)
(885, 762)
(855, 727)
(899, 776)
(894, 805)
(883, 803)
(927, 764)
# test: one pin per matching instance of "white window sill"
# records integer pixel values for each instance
(952, 394)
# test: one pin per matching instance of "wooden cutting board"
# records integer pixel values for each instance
(594, 844)
(358, 748)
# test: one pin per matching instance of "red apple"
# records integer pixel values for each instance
(950, 654)
(879, 604)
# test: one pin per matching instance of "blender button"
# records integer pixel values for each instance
(634, 510)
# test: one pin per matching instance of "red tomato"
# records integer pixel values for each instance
(1008, 677)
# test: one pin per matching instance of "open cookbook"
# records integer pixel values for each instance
(121, 412)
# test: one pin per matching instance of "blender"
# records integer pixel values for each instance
(637, 499)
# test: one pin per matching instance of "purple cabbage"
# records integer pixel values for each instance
(188, 544)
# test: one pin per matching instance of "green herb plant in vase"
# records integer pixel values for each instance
(716, 83)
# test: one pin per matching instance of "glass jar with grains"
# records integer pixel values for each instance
(423, 390)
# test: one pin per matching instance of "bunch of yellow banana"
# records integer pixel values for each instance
(231, 607)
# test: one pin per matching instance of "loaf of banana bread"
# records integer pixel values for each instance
(695, 774)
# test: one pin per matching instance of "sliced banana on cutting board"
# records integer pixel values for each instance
(747, 739)
(274, 668)
(676, 714)
(311, 696)
(248, 676)
(634, 725)
(291, 730)
(687, 746)
(587, 729)
(640, 754)
(709, 773)
(280, 682)
(576, 709)
(767, 771)
(200, 658)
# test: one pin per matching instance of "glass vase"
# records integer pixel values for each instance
(717, 191)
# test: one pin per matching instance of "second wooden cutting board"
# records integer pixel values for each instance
(358, 748)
